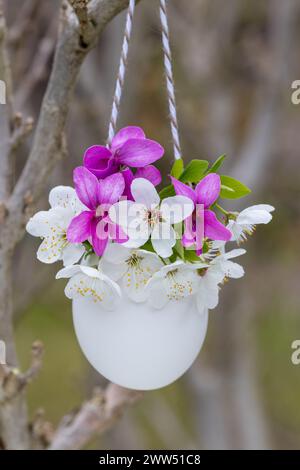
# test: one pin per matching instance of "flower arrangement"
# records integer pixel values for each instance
(118, 236)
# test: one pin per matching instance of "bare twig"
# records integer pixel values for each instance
(38, 68)
(42, 431)
(13, 412)
(94, 417)
(37, 351)
(22, 22)
(22, 129)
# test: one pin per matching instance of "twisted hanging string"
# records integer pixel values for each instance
(169, 78)
(121, 73)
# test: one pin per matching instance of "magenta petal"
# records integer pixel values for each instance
(139, 152)
(111, 188)
(187, 241)
(150, 173)
(98, 159)
(189, 236)
(86, 185)
(116, 233)
(213, 228)
(208, 190)
(129, 132)
(99, 236)
(79, 229)
(128, 178)
(182, 189)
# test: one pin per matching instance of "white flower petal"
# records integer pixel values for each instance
(163, 239)
(253, 217)
(233, 270)
(111, 296)
(38, 225)
(165, 269)
(214, 274)
(92, 272)
(116, 253)
(123, 212)
(234, 253)
(261, 207)
(50, 250)
(144, 192)
(157, 294)
(181, 283)
(72, 253)
(68, 272)
(90, 283)
(201, 307)
(176, 209)
(141, 267)
(135, 243)
(113, 270)
(90, 260)
(138, 232)
(236, 230)
(208, 294)
(61, 196)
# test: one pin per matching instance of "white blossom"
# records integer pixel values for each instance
(52, 226)
(132, 267)
(247, 219)
(173, 282)
(220, 267)
(147, 217)
(87, 282)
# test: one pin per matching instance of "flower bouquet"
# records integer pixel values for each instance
(143, 267)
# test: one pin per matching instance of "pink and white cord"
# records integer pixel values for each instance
(168, 73)
(121, 72)
(169, 78)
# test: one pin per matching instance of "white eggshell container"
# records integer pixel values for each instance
(139, 347)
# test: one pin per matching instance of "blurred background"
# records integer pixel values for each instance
(234, 63)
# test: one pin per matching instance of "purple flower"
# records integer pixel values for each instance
(205, 193)
(94, 224)
(129, 148)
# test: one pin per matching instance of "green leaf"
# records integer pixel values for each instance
(194, 171)
(178, 246)
(148, 247)
(177, 168)
(190, 255)
(168, 191)
(217, 164)
(232, 188)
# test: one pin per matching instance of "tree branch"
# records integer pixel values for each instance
(46, 147)
(94, 417)
(13, 410)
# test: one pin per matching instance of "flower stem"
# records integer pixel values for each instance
(224, 211)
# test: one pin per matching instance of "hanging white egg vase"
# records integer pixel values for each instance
(136, 346)
(143, 265)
